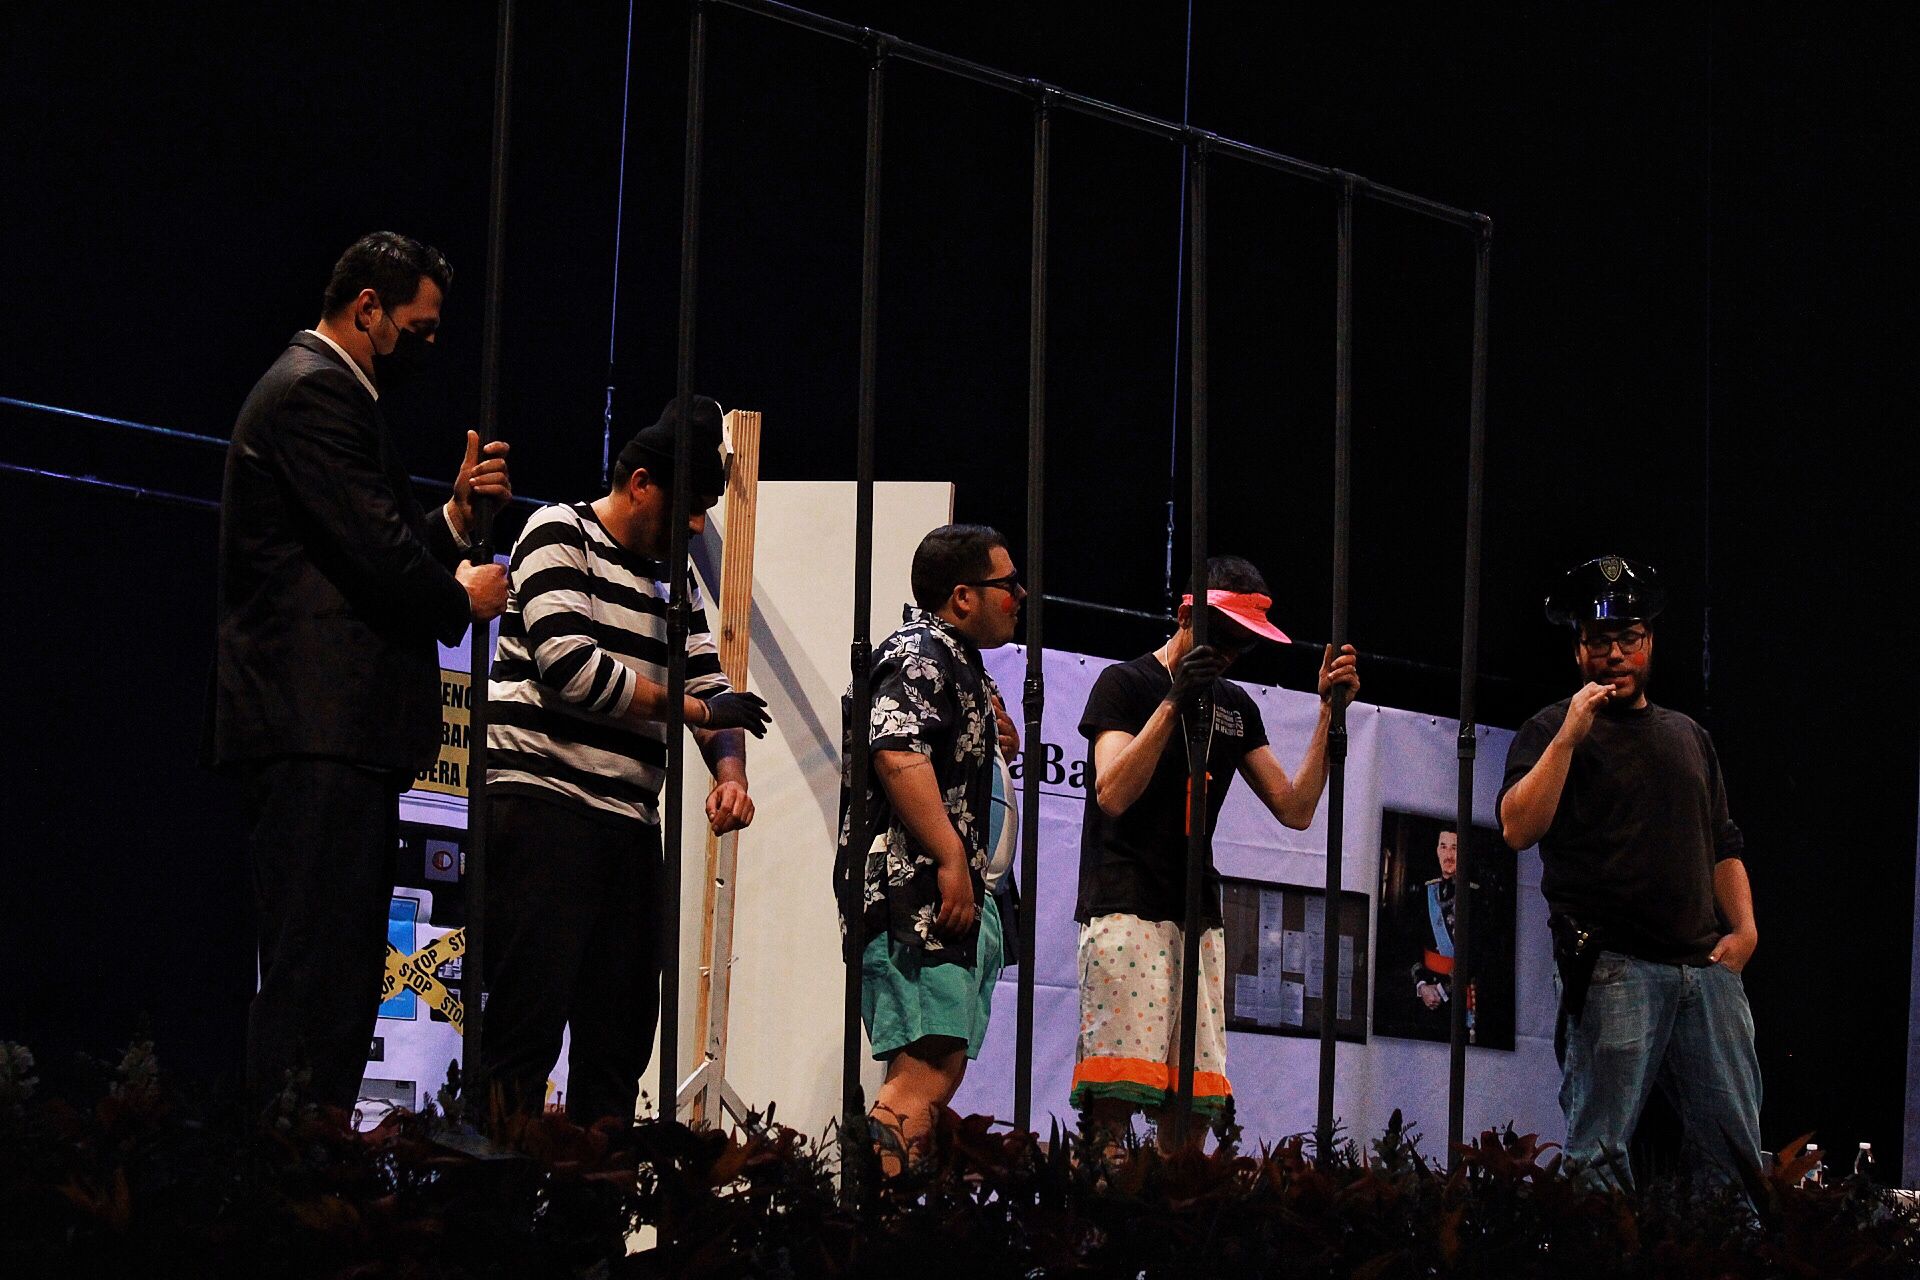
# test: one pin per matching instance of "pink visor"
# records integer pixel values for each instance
(1247, 609)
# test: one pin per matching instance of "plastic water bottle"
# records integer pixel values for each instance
(1863, 1163)
(1817, 1175)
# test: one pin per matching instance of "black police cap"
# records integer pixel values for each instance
(1607, 589)
(652, 447)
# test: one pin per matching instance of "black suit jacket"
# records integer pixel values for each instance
(334, 583)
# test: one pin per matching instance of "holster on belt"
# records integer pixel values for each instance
(1576, 948)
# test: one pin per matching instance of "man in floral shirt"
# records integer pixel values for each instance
(930, 934)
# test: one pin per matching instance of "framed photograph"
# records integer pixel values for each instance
(1276, 959)
(1413, 979)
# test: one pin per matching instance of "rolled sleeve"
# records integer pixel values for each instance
(912, 701)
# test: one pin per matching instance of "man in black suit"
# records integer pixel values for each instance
(334, 585)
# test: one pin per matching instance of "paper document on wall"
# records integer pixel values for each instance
(1293, 1004)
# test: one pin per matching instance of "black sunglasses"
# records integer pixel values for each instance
(1009, 582)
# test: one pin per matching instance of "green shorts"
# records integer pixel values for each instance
(903, 1000)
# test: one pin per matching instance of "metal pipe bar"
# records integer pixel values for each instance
(1198, 733)
(679, 605)
(855, 1153)
(1469, 671)
(1121, 611)
(1035, 701)
(126, 490)
(1337, 724)
(1309, 645)
(473, 985)
(172, 433)
(1412, 203)
(194, 437)
(1112, 113)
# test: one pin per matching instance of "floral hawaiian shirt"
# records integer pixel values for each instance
(931, 694)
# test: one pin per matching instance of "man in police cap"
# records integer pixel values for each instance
(1650, 907)
(576, 758)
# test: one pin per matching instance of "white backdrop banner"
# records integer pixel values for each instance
(1398, 761)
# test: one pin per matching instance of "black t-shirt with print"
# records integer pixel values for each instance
(1137, 863)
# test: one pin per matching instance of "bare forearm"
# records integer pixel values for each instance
(908, 779)
(1310, 779)
(649, 704)
(1121, 778)
(725, 751)
(1528, 808)
(1733, 893)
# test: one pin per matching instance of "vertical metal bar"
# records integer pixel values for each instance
(854, 1151)
(473, 986)
(679, 605)
(1469, 674)
(1337, 725)
(1199, 838)
(1036, 688)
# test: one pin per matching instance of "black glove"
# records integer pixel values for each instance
(1196, 674)
(737, 710)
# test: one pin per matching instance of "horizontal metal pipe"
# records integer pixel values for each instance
(1096, 607)
(172, 433)
(127, 490)
(1112, 113)
(1368, 659)
(194, 437)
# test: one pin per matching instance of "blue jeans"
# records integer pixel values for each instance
(1683, 1027)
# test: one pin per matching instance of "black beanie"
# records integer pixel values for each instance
(652, 447)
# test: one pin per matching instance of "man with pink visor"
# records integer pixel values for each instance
(1133, 848)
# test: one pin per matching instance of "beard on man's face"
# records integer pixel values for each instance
(1626, 673)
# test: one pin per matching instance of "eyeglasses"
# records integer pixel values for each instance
(1008, 582)
(1602, 645)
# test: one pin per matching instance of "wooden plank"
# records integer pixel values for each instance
(733, 639)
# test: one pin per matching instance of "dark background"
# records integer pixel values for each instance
(1701, 320)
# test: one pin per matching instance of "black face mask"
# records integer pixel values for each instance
(410, 356)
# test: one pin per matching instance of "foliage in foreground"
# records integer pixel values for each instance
(135, 1179)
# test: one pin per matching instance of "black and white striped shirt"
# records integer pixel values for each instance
(584, 618)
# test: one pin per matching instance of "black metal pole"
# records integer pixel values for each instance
(1337, 724)
(679, 603)
(1200, 717)
(1036, 689)
(1469, 671)
(854, 1149)
(473, 985)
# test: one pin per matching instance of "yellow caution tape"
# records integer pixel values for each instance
(416, 973)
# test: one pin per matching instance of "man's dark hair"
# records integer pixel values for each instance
(1231, 573)
(949, 556)
(390, 264)
(624, 465)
